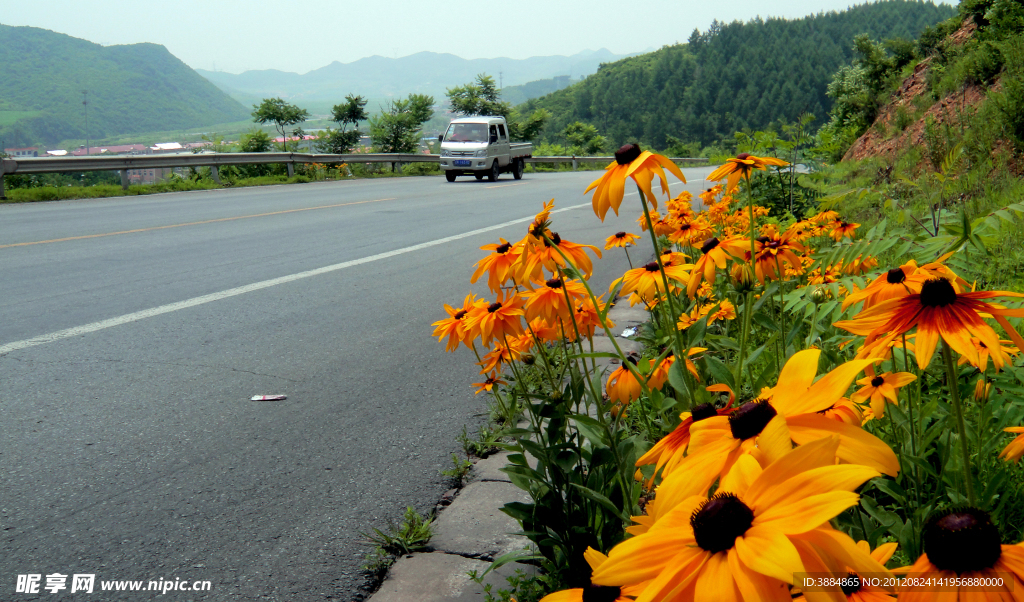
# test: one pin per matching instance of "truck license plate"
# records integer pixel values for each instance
(462, 163)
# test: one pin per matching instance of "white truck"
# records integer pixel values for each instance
(480, 146)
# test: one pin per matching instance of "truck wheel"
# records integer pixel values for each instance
(449, 175)
(517, 170)
(495, 170)
(479, 175)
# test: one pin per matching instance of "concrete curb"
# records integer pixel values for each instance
(472, 531)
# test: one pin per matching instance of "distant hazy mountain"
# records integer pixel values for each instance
(380, 77)
(132, 88)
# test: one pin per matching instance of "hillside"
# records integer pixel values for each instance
(380, 77)
(731, 77)
(132, 88)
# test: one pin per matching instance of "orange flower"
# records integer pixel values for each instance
(939, 310)
(498, 264)
(499, 320)
(548, 302)
(587, 318)
(715, 253)
(689, 232)
(962, 544)
(488, 384)
(775, 251)
(646, 280)
(659, 375)
(670, 450)
(630, 162)
(1015, 449)
(454, 326)
(841, 229)
(741, 167)
(620, 239)
(890, 285)
(622, 386)
(499, 356)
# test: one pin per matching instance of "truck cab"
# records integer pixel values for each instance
(480, 146)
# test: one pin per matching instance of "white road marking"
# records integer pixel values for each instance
(241, 290)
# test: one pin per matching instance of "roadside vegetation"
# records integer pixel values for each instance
(831, 379)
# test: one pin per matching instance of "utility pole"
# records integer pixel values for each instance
(85, 103)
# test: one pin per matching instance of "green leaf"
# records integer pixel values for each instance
(602, 500)
(719, 371)
(676, 378)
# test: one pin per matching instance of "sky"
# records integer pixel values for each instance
(241, 35)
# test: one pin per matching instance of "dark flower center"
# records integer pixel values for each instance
(719, 521)
(633, 358)
(751, 418)
(703, 412)
(877, 381)
(937, 292)
(601, 593)
(460, 314)
(555, 238)
(895, 276)
(493, 307)
(852, 585)
(652, 267)
(620, 235)
(763, 239)
(554, 283)
(709, 244)
(503, 249)
(627, 153)
(743, 156)
(961, 540)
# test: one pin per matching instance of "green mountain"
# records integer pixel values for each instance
(731, 77)
(383, 77)
(131, 88)
(524, 92)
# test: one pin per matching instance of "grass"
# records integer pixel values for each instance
(410, 536)
(9, 117)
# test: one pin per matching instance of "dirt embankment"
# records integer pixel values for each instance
(885, 138)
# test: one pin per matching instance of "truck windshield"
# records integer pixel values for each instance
(466, 132)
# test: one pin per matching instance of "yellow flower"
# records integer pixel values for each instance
(880, 388)
(646, 280)
(741, 167)
(715, 254)
(742, 542)
(890, 285)
(841, 229)
(630, 162)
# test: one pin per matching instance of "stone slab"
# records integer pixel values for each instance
(475, 527)
(489, 469)
(440, 577)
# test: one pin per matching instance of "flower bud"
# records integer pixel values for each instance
(820, 294)
(742, 277)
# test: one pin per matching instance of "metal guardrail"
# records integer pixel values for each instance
(123, 163)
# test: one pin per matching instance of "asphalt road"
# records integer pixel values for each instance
(135, 330)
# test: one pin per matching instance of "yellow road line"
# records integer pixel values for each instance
(504, 185)
(209, 221)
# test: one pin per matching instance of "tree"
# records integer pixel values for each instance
(480, 97)
(254, 141)
(526, 128)
(343, 140)
(281, 114)
(583, 139)
(397, 129)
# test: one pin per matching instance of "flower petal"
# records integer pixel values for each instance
(856, 445)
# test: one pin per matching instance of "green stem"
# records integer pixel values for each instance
(681, 350)
(961, 425)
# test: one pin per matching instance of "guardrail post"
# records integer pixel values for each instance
(124, 179)
(291, 169)
(398, 167)
(3, 170)
(574, 163)
(216, 174)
